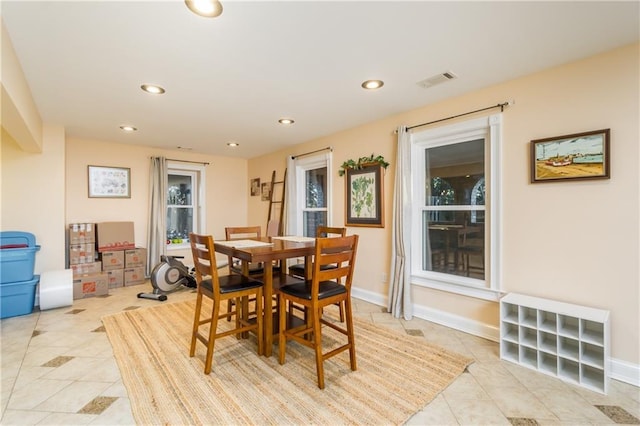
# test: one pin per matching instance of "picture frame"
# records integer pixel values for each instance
(266, 191)
(109, 182)
(364, 193)
(577, 156)
(255, 187)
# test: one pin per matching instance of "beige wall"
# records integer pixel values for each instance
(33, 194)
(225, 203)
(570, 241)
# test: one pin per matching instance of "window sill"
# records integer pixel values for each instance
(183, 246)
(463, 287)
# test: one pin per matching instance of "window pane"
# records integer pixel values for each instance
(179, 191)
(455, 247)
(455, 174)
(312, 220)
(179, 224)
(316, 188)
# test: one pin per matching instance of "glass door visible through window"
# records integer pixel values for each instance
(315, 210)
(185, 208)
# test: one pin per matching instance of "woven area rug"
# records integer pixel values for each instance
(397, 375)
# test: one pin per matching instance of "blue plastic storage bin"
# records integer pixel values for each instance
(18, 298)
(17, 256)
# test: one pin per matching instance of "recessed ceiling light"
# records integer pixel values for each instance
(233, 144)
(286, 121)
(372, 84)
(128, 128)
(206, 8)
(153, 89)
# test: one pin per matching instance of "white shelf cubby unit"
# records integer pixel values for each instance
(560, 339)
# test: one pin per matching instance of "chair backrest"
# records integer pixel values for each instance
(235, 232)
(338, 251)
(238, 232)
(204, 259)
(328, 231)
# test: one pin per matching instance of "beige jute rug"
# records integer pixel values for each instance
(397, 375)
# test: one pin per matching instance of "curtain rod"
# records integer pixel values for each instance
(293, 157)
(501, 106)
(204, 163)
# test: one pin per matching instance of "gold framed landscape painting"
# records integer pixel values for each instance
(577, 156)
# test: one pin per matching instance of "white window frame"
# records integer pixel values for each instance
(298, 193)
(490, 129)
(198, 176)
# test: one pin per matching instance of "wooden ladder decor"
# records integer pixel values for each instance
(272, 229)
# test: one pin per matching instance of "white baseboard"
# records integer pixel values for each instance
(624, 371)
(618, 369)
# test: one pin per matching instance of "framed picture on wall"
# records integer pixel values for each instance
(578, 156)
(364, 196)
(109, 182)
(266, 191)
(255, 187)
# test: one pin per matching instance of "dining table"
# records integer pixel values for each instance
(267, 250)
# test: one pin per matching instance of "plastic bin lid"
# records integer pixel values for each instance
(13, 239)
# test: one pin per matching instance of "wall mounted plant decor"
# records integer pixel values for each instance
(362, 162)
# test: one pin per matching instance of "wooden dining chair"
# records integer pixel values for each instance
(326, 287)
(237, 232)
(299, 271)
(221, 288)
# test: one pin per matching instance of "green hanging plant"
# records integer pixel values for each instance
(362, 162)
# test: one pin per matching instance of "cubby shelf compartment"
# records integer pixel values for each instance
(560, 339)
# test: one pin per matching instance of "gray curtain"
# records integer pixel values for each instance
(400, 287)
(157, 232)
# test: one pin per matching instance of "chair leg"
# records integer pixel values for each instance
(350, 336)
(212, 336)
(260, 310)
(341, 308)
(282, 323)
(196, 324)
(317, 339)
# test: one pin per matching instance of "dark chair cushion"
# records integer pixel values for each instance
(231, 283)
(303, 289)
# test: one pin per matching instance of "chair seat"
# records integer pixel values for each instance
(231, 283)
(298, 269)
(303, 289)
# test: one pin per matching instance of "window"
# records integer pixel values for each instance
(185, 206)
(310, 194)
(455, 172)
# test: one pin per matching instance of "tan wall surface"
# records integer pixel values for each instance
(33, 194)
(570, 241)
(225, 203)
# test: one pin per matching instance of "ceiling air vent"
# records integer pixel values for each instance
(436, 79)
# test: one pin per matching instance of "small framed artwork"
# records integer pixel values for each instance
(364, 196)
(255, 187)
(266, 191)
(578, 156)
(109, 182)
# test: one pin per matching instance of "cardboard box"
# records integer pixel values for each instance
(135, 258)
(115, 236)
(81, 253)
(90, 285)
(112, 260)
(116, 278)
(134, 276)
(81, 233)
(86, 268)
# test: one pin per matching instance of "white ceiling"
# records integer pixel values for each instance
(231, 78)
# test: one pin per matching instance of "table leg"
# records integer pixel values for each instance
(267, 310)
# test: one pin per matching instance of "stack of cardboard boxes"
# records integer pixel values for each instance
(88, 279)
(106, 257)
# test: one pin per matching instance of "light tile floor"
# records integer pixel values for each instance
(58, 369)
